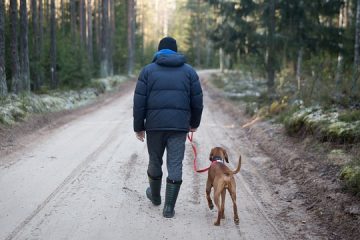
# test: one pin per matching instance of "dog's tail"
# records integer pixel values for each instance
(238, 167)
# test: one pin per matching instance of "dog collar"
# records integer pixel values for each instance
(217, 159)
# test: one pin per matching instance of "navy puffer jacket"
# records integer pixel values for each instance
(168, 96)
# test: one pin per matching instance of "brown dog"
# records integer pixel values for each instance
(221, 178)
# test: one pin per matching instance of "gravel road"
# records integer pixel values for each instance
(86, 179)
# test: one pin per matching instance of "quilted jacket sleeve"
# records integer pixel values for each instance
(139, 107)
(196, 100)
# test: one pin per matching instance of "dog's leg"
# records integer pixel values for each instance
(232, 191)
(208, 191)
(223, 203)
(217, 203)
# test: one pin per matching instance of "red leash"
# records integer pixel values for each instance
(190, 137)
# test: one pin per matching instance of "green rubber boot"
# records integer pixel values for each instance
(172, 191)
(153, 192)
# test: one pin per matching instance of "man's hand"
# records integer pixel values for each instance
(140, 135)
(193, 129)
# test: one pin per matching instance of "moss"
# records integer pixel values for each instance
(350, 116)
(325, 125)
(350, 174)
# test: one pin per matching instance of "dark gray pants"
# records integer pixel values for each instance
(174, 143)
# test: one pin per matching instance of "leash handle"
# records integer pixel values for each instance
(190, 137)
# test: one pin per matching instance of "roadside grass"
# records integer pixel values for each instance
(328, 123)
(16, 108)
(350, 173)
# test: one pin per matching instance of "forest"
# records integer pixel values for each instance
(281, 90)
(297, 62)
(309, 46)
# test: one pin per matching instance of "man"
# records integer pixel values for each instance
(168, 103)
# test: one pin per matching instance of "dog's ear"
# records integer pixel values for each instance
(226, 156)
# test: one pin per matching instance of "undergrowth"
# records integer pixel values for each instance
(350, 173)
(16, 108)
(328, 121)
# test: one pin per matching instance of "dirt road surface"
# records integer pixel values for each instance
(87, 178)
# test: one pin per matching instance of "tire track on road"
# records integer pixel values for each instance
(71, 177)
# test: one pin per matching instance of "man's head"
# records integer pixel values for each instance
(168, 43)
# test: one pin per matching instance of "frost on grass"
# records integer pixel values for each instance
(16, 108)
(239, 85)
(327, 125)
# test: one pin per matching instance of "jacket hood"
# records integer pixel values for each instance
(170, 60)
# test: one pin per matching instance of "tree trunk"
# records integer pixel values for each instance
(3, 85)
(131, 36)
(357, 36)
(41, 40)
(73, 19)
(15, 65)
(97, 23)
(24, 47)
(82, 22)
(270, 61)
(104, 65)
(47, 12)
(221, 60)
(111, 37)
(356, 48)
(54, 82)
(197, 35)
(340, 59)
(209, 54)
(90, 32)
(62, 16)
(35, 41)
(298, 68)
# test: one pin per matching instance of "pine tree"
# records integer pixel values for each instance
(54, 80)
(90, 32)
(270, 45)
(35, 70)
(82, 22)
(24, 47)
(3, 85)
(15, 64)
(104, 64)
(356, 70)
(73, 19)
(131, 36)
